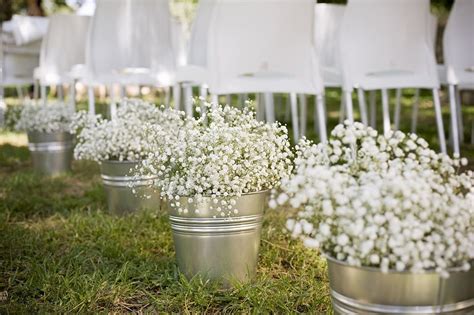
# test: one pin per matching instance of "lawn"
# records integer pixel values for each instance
(60, 251)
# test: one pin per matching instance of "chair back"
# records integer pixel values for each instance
(384, 44)
(63, 47)
(458, 43)
(263, 46)
(130, 42)
(327, 26)
(197, 53)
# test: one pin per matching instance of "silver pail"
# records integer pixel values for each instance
(223, 249)
(51, 152)
(126, 193)
(365, 290)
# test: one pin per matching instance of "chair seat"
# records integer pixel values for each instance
(78, 72)
(17, 80)
(332, 77)
(397, 78)
(192, 74)
(266, 83)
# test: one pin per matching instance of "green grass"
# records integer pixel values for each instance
(61, 252)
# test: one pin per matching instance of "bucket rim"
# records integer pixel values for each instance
(392, 271)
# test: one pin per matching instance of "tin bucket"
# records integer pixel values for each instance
(366, 290)
(223, 249)
(51, 152)
(126, 193)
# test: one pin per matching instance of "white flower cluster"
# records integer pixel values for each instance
(49, 118)
(135, 132)
(223, 154)
(387, 202)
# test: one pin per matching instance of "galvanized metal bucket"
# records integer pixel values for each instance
(125, 192)
(364, 290)
(223, 249)
(51, 152)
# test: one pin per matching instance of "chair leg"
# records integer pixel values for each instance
(36, 90)
(177, 96)
(203, 98)
(260, 107)
(373, 109)
(72, 87)
(19, 92)
(167, 96)
(454, 120)
(321, 118)
(113, 103)
(303, 113)
(294, 116)
(316, 115)
(245, 97)
(459, 115)
(269, 108)
(123, 91)
(362, 106)
(396, 118)
(90, 95)
(44, 97)
(214, 100)
(240, 100)
(188, 99)
(3, 106)
(60, 90)
(342, 109)
(386, 113)
(349, 106)
(414, 113)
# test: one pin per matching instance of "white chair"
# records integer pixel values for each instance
(194, 72)
(458, 46)
(327, 25)
(63, 48)
(380, 52)
(130, 43)
(17, 64)
(265, 46)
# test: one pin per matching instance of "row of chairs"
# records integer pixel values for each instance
(268, 46)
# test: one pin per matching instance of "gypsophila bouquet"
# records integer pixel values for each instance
(396, 206)
(132, 135)
(49, 118)
(363, 149)
(225, 153)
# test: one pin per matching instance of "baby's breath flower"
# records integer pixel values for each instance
(387, 202)
(138, 130)
(221, 155)
(50, 118)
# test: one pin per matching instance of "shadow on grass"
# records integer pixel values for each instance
(75, 262)
(26, 194)
(93, 262)
(13, 158)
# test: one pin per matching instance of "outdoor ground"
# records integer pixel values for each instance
(60, 251)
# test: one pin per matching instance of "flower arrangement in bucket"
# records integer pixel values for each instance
(119, 145)
(216, 174)
(394, 219)
(49, 137)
